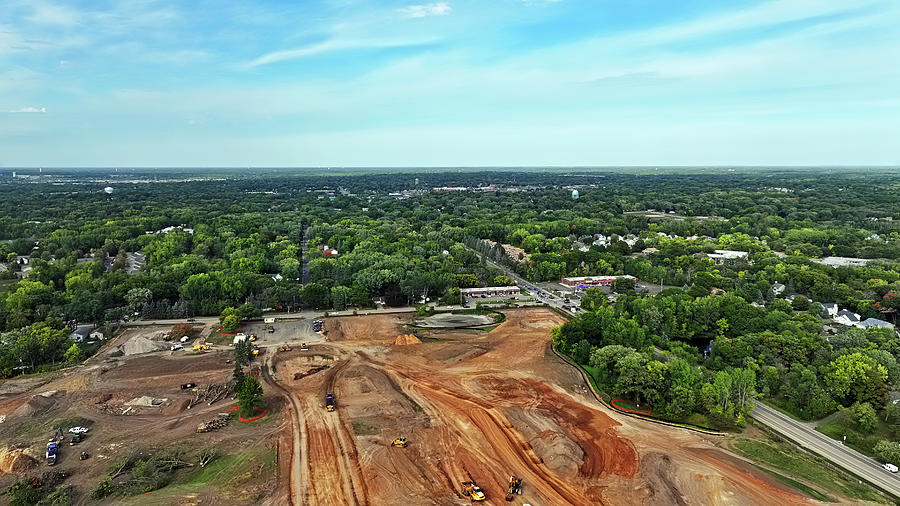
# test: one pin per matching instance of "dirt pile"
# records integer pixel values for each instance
(138, 345)
(16, 460)
(37, 404)
(146, 401)
(406, 339)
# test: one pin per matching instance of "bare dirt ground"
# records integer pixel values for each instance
(481, 406)
(97, 394)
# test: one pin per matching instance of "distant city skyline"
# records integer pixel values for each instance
(344, 83)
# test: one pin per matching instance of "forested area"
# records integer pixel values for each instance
(237, 240)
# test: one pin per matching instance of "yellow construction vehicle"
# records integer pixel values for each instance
(471, 490)
(201, 347)
(285, 347)
(255, 351)
(252, 338)
(400, 442)
(329, 402)
(513, 487)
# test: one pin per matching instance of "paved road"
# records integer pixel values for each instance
(843, 456)
(543, 295)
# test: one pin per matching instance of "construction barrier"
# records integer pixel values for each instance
(261, 414)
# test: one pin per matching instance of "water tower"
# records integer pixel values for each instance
(574, 194)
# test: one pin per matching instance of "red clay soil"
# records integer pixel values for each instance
(510, 408)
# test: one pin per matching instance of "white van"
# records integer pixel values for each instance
(890, 467)
(184, 339)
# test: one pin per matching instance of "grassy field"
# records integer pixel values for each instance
(840, 426)
(786, 459)
(232, 476)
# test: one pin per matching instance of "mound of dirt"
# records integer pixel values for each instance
(16, 460)
(138, 345)
(452, 321)
(406, 339)
(146, 401)
(36, 404)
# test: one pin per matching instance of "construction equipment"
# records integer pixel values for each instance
(77, 438)
(83, 456)
(513, 487)
(201, 347)
(252, 338)
(304, 347)
(471, 490)
(285, 347)
(52, 452)
(301, 375)
(255, 351)
(400, 442)
(329, 402)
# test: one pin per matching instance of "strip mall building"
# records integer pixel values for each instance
(591, 281)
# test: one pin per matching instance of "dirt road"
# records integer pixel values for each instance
(481, 406)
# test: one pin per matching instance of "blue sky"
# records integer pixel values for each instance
(449, 83)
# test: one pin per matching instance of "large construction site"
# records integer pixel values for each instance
(376, 412)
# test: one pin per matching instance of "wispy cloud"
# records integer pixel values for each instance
(28, 110)
(333, 45)
(425, 10)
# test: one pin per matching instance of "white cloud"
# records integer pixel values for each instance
(425, 10)
(333, 45)
(29, 110)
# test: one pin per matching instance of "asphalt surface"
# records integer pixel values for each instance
(858, 464)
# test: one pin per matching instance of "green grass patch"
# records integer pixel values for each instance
(227, 475)
(361, 428)
(787, 459)
(863, 442)
(803, 487)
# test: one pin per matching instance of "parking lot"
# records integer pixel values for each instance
(286, 331)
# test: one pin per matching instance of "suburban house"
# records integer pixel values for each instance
(831, 309)
(846, 317)
(842, 261)
(778, 289)
(82, 333)
(874, 323)
(96, 335)
(724, 256)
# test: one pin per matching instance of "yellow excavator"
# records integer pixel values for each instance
(400, 442)
(201, 347)
(471, 490)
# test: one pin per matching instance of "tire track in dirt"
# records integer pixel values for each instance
(343, 445)
(512, 453)
(299, 479)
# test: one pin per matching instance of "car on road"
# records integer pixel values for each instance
(176, 347)
(890, 467)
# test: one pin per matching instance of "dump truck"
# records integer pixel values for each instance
(471, 490)
(329, 402)
(76, 438)
(400, 442)
(52, 452)
(201, 347)
(513, 487)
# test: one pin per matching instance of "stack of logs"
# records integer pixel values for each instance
(216, 423)
(212, 393)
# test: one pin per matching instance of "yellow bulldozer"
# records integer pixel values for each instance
(201, 347)
(400, 442)
(471, 490)
(285, 347)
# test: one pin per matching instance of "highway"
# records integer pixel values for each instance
(816, 442)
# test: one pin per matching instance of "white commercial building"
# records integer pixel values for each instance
(491, 290)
